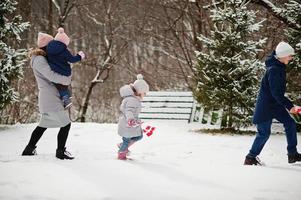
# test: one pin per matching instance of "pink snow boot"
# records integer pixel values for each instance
(122, 155)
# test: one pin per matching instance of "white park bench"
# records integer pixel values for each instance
(174, 106)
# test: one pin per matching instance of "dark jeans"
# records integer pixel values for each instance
(63, 89)
(264, 132)
(61, 137)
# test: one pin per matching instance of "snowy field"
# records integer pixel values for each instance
(173, 164)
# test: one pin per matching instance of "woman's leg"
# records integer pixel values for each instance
(62, 136)
(35, 137)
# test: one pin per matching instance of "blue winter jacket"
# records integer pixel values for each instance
(59, 57)
(271, 102)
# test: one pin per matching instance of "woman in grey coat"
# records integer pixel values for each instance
(129, 125)
(53, 114)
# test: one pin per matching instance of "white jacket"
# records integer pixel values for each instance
(130, 109)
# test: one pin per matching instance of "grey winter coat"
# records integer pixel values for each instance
(53, 114)
(49, 99)
(130, 109)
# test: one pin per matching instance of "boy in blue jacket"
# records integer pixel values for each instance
(272, 104)
(59, 57)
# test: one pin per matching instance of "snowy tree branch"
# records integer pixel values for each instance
(277, 13)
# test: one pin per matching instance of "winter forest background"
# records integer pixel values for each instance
(177, 46)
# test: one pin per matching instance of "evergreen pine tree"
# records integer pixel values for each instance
(292, 11)
(227, 69)
(11, 60)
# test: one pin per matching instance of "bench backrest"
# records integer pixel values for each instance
(168, 105)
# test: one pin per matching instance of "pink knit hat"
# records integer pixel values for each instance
(62, 36)
(43, 39)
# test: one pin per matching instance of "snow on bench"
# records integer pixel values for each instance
(173, 106)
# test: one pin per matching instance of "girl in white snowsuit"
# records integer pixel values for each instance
(129, 124)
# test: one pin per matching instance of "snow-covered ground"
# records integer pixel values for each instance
(174, 163)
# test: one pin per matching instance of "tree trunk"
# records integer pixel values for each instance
(86, 102)
(50, 17)
(89, 93)
(230, 122)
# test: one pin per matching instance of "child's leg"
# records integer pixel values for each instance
(63, 89)
(135, 139)
(125, 144)
(64, 94)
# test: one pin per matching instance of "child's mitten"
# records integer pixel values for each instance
(82, 54)
(149, 130)
(134, 123)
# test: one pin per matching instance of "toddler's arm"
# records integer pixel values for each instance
(71, 58)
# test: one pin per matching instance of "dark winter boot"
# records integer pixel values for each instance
(29, 151)
(63, 154)
(294, 158)
(252, 161)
